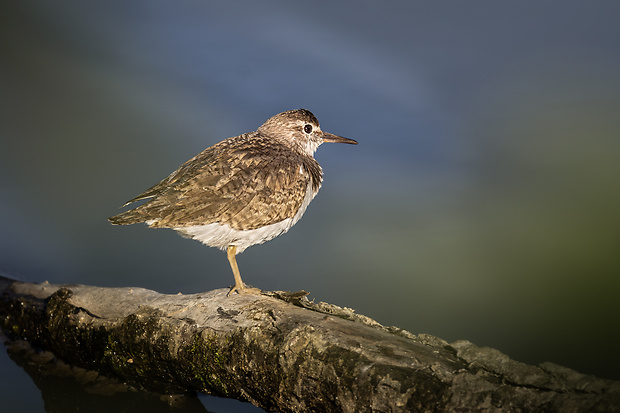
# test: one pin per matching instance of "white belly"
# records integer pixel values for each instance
(221, 235)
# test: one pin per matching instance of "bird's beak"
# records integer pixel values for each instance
(328, 137)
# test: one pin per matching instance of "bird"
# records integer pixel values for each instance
(242, 191)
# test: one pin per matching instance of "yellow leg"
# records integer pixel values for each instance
(239, 287)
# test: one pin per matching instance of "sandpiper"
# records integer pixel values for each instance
(242, 191)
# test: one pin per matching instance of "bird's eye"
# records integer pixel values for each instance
(308, 128)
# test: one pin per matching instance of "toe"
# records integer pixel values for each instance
(243, 289)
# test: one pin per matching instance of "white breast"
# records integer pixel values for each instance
(221, 235)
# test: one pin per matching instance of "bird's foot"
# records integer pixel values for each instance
(243, 289)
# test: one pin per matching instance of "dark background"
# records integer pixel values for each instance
(482, 201)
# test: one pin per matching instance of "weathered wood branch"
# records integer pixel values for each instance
(282, 352)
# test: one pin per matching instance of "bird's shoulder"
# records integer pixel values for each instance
(248, 157)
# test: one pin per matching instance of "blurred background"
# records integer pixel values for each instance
(482, 202)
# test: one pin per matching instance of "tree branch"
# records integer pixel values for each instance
(282, 352)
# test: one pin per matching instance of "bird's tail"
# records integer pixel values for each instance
(127, 218)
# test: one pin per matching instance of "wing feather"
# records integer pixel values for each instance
(247, 181)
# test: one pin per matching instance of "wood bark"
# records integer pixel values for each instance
(282, 352)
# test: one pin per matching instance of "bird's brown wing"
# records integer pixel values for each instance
(191, 168)
(247, 183)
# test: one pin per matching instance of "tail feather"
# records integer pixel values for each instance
(127, 218)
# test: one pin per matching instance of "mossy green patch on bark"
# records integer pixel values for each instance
(207, 361)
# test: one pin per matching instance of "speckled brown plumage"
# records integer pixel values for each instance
(248, 181)
(242, 191)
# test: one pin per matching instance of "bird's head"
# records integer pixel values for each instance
(301, 129)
